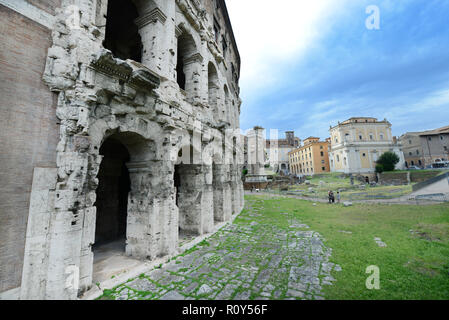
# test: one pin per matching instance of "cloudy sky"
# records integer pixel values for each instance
(308, 64)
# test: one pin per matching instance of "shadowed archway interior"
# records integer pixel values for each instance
(112, 193)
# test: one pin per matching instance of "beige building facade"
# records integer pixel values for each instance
(277, 151)
(312, 158)
(358, 142)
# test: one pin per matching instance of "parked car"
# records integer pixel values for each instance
(413, 168)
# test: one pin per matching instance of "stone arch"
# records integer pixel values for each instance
(127, 175)
(122, 34)
(187, 63)
(227, 108)
(221, 189)
(213, 86)
(100, 130)
(190, 180)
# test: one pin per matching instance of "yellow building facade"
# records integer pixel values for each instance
(311, 158)
(357, 143)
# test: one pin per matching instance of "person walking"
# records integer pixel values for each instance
(338, 197)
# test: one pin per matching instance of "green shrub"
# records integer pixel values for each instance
(388, 161)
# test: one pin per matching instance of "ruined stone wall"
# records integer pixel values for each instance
(143, 107)
(49, 6)
(28, 132)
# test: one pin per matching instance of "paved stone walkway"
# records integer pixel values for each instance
(262, 255)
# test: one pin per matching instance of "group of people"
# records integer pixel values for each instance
(332, 196)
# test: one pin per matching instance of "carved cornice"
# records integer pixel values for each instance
(144, 79)
(135, 74)
(107, 64)
(178, 32)
(151, 17)
(194, 58)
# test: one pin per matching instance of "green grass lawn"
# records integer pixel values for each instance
(414, 265)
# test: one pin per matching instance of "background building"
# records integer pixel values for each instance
(425, 148)
(256, 151)
(357, 143)
(277, 151)
(311, 158)
(435, 145)
(412, 149)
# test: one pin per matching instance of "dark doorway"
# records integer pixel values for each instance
(181, 77)
(112, 193)
(122, 34)
(177, 182)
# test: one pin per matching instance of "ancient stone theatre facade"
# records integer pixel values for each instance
(120, 121)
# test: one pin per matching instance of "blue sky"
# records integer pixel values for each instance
(308, 64)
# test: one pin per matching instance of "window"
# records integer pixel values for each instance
(360, 137)
(324, 168)
(409, 153)
(363, 154)
(430, 138)
(381, 136)
(441, 137)
(417, 152)
(122, 34)
(213, 86)
(186, 48)
(224, 44)
(338, 158)
(371, 137)
(445, 148)
(322, 161)
(410, 142)
(322, 153)
(216, 30)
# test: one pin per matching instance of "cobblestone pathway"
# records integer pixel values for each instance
(264, 254)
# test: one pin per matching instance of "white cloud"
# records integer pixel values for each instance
(270, 34)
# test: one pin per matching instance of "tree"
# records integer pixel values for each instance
(387, 162)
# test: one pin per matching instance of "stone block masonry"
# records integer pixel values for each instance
(29, 132)
(128, 137)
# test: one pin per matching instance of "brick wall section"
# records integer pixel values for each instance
(393, 178)
(29, 132)
(46, 5)
(420, 176)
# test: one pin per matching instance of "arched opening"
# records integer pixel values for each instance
(212, 85)
(121, 231)
(226, 110)
(188, 183)
(218, 178)
(186, 49)
(122, 34)
(112, 196)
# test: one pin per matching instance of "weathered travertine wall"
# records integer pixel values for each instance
(170, 127)
(28, 132)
